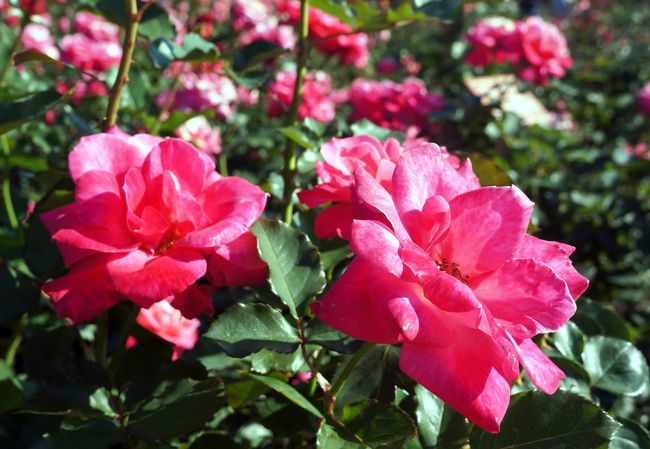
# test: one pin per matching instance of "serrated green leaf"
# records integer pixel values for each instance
(569, 341)
(295, 271)
(247, 328)
(615, 365)
(561, 421)
(631, 435)
(429, 413)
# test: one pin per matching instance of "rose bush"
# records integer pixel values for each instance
(324, 223)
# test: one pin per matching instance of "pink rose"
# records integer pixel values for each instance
(95, 47)
(95, 27)
(446, 268)
(198, 131)
(493, 40)
(387, 66)
(395, 106)
(283, 35)
(316, 102)
(544, 49)
(37, 37)
(644, 100)
(342, 158)
(169, 324)
(150, 215)
(248, 13)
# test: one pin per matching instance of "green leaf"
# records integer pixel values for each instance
(429, 413)
(615, 365)
(11, 391)
(28, 162)
(319, 333)
(296, 274)
(440, 9)
(15, 113)
(164, 51)
(376, 424)
(560, 421)
(298, 136)
(366, 127)
(266, 361)
(288, 392)
(577, 378)
(328, 438)
(182, 407)
(247, 328)
(631, 435)
(33, 56)
(569, 341)
(255, 54)
(596, 319)
(488, 172)
(97, 434)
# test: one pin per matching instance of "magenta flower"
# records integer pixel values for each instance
(494, 40)
(446, 269)
(644, 100)
(199, 131)
(316, 101)
(37, 37)
(342, 157)
(545, 50)
(149, 217)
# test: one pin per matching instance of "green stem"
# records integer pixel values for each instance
(4, 71)
(6, 186)
(101, 339)
(16, 340)
(125, 64)
(340, 381)
(121, 343)
(290, 156)
(223, 163)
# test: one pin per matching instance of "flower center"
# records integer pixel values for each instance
(168, 241)
(452, 269)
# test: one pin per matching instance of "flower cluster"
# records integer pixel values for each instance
(199, 131)
(95, 47)
(37, 37)
(400, 107)
(538, 48)
(444, 267)
(330, 35)
(151, 217)
(316, 100)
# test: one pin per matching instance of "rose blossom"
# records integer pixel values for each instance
(169, 324)
(316, 102)
(283, 35)
(151, 216)
(393, 105)
(644, 100)
(37, 37)
(198, 131)
(350, 48)
(545, 49)
(493, 40)
(446, 269)
(95, 46)
(342, 157)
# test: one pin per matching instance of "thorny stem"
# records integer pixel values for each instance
(6, 186)
(12, 51)
(305, 354)
(290, 156)
(125, 64)
(120, 349)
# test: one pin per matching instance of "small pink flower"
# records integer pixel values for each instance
(37, 37)
(342, 158)
(169, 324)
(395, 106)
(149, 216)
(96, 27)
(644, 100)
(198, 131)
(446, 269)
(247, 14)
(316, 102)
(95, 47)
(493, 40)
(283, 35)
(545, 50)
(639, 150)
(387, 66)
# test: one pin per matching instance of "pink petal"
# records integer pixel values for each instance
(334, 221)
(469, 375)
(85, 292)
(372, 201)
(320, 194)
(146, 279)
(526, 297)
(542, 371)
(374, 243)
(104, 152)
(555, 255)
(423, 172)
(95, 182)
(237, 264)
(232, 204)
(487, 228)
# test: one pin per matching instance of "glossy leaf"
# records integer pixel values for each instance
(164, 51)
(247, 328)
(288, 392)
